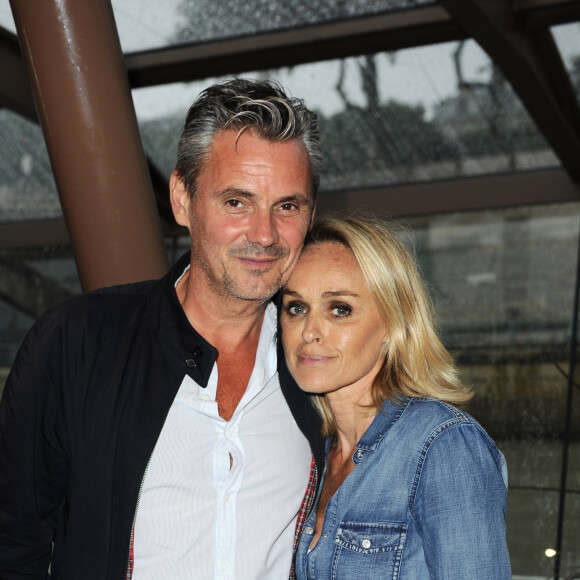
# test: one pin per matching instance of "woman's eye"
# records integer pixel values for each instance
(295, 309)
(341, 310)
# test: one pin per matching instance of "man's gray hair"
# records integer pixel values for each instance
(240, 104)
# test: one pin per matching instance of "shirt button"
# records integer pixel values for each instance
(190, 363)
(309, 530)
(197, 352)
(366, 543)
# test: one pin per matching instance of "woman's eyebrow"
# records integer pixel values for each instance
(330, 294)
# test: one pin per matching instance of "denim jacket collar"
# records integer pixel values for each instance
(386, 417)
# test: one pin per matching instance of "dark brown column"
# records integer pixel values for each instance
(75, 64)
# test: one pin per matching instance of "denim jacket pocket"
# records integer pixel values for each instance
(368, 550)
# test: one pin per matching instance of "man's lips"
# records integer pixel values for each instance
(258, 263)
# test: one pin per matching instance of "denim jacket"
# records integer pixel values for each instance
(426, 500)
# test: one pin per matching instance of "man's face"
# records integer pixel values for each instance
(249, 216)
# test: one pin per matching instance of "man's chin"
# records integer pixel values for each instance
(261, 292)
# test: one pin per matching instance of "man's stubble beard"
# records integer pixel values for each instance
(226, 285)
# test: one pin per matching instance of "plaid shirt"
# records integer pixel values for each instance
(306, 506)
(307, 503)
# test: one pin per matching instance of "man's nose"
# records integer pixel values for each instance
(262, 229)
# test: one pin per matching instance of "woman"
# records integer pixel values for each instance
(413, 487)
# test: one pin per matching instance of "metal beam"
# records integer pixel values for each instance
(494, 25)
(15, 90)
(365, 35)
(73, 55)
(470, 194)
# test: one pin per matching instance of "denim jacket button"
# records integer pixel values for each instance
(359, 454)
(309, 530)
(366, 543)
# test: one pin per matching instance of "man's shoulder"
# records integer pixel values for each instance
(106, 308)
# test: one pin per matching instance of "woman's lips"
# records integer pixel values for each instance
(313, 360)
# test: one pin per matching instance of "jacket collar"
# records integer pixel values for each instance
(387, 416)
(191, 353)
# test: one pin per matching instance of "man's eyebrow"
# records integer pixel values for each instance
(297, 198)
(233, 191)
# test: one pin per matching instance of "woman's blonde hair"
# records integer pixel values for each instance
(416, 364)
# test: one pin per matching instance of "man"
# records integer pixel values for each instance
(145, 431)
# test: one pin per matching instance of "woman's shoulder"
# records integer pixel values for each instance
(442, 431)
(435, 412)
(431, 419)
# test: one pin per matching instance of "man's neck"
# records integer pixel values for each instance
(226, 322)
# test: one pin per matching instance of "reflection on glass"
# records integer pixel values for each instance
(570, 545)
(503, 285)
(207, 19)
(6, 18)
(420, 114)
(148, 24)
(567, 37)
(27, 188)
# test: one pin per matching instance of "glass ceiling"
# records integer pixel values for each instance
(389, 118)
(567, 37)
(415, 115)
(151, 24)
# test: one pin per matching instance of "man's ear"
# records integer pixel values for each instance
(180, 199)
(312, 215)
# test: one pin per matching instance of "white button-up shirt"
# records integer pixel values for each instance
(199, 519)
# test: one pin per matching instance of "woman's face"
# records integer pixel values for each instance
(332, 331)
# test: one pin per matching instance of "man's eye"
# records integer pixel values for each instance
(234, 203)
(288, 206)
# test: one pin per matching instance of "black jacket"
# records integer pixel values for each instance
(82, 410)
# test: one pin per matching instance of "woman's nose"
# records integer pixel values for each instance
(312, 331)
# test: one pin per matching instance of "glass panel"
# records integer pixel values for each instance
(567, 37)
(389, 118)
(570, 566)
(6, 18)
(503, 284)
(202, 20)
(37, 279)
(150, 24)
(532, 521)
(27, 188)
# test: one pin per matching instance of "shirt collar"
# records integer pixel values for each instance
(192, 354)
(388, 414)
